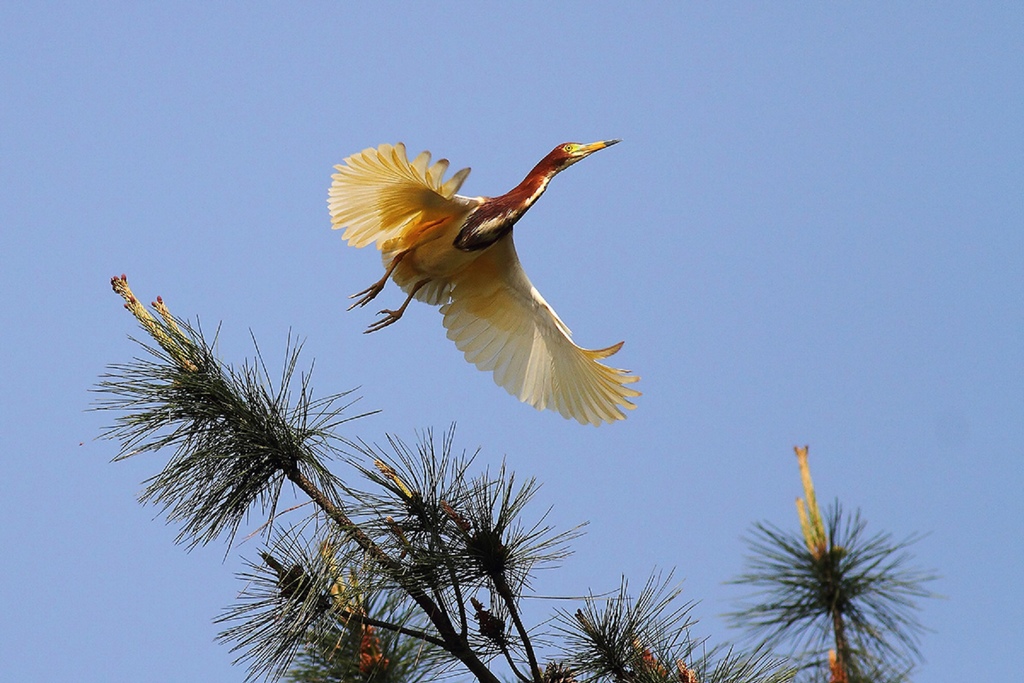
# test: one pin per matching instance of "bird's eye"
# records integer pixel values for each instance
(570, 148)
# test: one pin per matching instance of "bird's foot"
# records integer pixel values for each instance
(390, 318)
(368, 294)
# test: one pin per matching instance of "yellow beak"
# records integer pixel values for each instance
(587, 150)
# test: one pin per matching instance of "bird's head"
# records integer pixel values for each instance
(568, 153)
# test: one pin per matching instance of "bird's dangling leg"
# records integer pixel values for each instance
(392, 317)
(368, 294)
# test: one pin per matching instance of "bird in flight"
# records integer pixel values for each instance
(457, 252)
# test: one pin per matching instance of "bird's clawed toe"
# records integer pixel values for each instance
(370, 293)
(367, 295)
(392, 317)
(389, 318)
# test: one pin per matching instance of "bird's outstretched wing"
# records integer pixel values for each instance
(502, 324)
(378, 194)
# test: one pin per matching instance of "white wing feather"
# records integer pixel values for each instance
(502, 324)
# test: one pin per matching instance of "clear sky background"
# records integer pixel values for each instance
(811, 234)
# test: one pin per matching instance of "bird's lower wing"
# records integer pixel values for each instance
(502, 324)
(378, 195)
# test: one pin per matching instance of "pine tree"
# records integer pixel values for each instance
(411, 566)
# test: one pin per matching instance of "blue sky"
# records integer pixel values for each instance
(811, 234)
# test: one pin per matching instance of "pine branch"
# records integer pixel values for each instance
(236, 440)
(833, 587)
(233, 433)
(465, 530)
(646, 639)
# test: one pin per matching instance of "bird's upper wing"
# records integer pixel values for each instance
(502, 324)
(377, 194)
